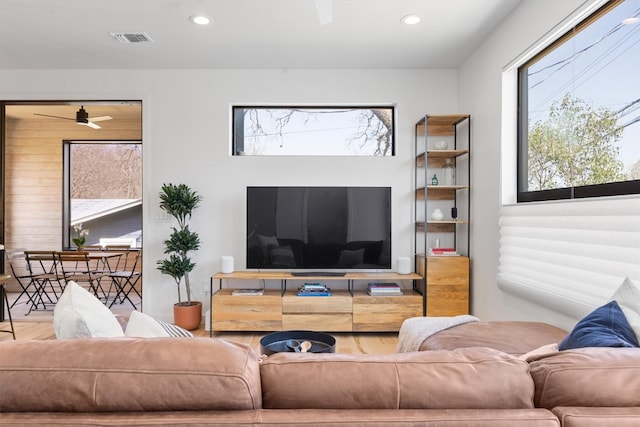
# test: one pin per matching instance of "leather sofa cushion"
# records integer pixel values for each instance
(588, 377)
(124, 374)
(292, 418)
(598, 417)
(511, 337)
(472, 378)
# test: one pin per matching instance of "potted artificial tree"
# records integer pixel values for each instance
(179, 201)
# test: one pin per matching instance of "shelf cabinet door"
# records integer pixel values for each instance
(447, 284)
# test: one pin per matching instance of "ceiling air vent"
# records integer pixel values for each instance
(132, 37)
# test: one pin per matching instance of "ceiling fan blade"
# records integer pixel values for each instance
(100, 118)
(53, 117)
(90, 124)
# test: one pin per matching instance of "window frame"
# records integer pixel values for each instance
(237, 126)
(66, 181)
(617, 188)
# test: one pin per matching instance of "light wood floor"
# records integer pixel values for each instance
(38, 325)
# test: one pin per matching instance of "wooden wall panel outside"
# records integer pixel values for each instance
(33, 177)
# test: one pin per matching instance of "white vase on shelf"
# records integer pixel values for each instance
(437, 215)
(441, 145)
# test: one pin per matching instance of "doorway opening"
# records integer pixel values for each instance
(36, 204)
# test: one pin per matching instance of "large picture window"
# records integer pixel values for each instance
(579, 110)
(103, 192)
(313, 131)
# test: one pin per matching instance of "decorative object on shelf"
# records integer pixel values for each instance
(448, 173)
(179, 201)
(226, 264)
(454, 212)
(437, 215)
(81, 236)
(434, 180)
(404, 265)
(441, 145)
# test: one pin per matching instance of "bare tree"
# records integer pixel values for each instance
(106, 171)
(375, 126)
(380, 130)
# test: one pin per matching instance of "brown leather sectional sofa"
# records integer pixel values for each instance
(211, 382)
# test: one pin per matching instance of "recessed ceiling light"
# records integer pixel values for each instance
(410, 19)
(199, 19)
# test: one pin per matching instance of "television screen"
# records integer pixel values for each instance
(313, 228)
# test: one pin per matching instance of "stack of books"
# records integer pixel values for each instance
(443, 252)
(314, 290)
(384, 289)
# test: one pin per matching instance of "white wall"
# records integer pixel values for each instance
(186, 138)
(480, 95)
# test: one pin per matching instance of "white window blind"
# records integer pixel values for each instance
(569, 256)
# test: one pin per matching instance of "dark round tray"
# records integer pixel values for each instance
(286, 341)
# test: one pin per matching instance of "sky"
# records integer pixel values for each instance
(323, 132)
(600, 65)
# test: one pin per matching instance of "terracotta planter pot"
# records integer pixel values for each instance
(187, 316)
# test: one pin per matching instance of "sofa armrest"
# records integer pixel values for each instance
(511, 337)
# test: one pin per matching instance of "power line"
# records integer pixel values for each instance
(574, 80)
(632, 121)
(575, 55)
(635, 104)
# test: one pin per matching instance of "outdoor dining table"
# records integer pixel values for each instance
(47, 273)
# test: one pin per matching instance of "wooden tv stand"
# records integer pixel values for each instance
(346, 310)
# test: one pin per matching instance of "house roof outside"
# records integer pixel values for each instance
(83, 210)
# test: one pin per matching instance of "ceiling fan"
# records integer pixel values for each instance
(82, 118)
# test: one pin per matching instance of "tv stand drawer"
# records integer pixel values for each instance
(339, 302)
(246, 313)
(381, 313)
(334, 322)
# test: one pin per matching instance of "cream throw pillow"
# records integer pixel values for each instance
(628, 298)
(144, 326)
(79, 314)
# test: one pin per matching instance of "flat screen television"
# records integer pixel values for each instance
(319, 228)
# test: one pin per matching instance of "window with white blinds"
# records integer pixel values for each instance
(569, 256)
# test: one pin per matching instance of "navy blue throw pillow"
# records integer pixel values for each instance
(606, 326)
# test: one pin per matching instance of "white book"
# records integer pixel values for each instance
(247, 292)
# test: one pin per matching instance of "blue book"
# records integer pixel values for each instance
(303, 293)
